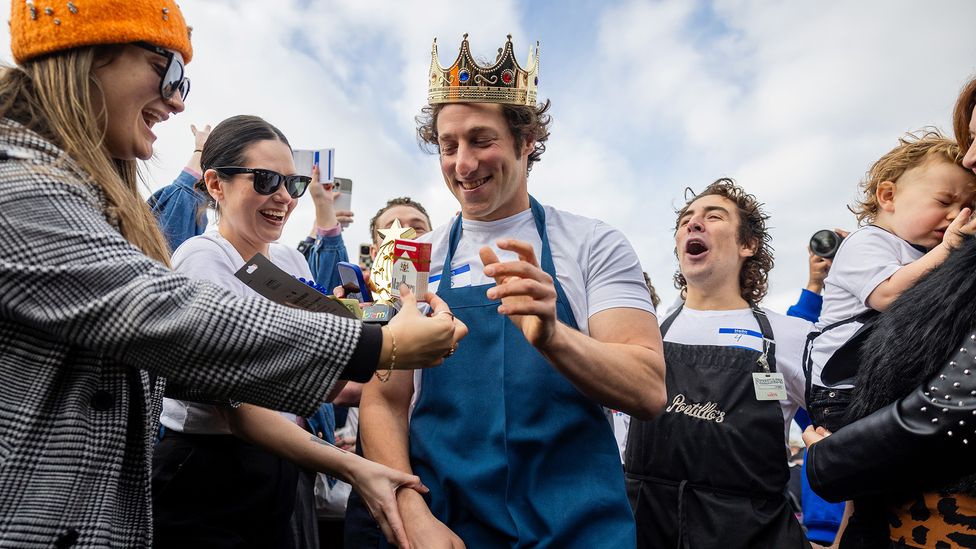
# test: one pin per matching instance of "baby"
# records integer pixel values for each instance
(915, 208)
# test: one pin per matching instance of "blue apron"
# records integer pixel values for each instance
(514, 455)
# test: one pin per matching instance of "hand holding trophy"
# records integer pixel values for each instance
(399, 260)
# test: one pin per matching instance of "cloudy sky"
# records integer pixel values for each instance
(794, 100)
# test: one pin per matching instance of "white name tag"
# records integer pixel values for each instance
(769, 386)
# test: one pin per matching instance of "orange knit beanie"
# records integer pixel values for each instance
(39, 27)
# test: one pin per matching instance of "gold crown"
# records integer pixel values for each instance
(468, 82)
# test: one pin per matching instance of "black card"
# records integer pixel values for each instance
(267, 279)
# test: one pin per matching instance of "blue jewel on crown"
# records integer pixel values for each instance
(464, 75)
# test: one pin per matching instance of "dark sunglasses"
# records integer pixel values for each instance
(172, 80)
(267, 182)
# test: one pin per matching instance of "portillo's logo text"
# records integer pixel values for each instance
(708, 411)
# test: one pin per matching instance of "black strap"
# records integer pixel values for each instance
(814, 334)
(681, 516)
(862, 318)
(769, 342)
(670, 320)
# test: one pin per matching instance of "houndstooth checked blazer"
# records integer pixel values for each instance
(85, 318)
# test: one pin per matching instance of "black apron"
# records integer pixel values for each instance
(711, 470)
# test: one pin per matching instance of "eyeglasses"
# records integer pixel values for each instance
(172, 80)
(267, 182)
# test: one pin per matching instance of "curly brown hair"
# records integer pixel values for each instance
(527, 124)
(913, 150)
(754, 276)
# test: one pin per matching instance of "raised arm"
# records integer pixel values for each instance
(66, 272)
(620, 364)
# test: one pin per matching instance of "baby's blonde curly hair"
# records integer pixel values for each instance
(913, 150)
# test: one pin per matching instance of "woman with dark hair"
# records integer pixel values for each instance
(908, 457)
(225, 475)
(92, 321)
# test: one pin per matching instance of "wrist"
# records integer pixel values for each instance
(815, 287)
(553, 342)
(326, 219)
(387, 360)
(411, 504)
(328, 230)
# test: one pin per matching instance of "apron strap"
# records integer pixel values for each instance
(682, 540)
(769, 342)
(545, 261)
(670, 320)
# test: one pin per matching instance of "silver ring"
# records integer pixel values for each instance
(452, 351)
(445, 313)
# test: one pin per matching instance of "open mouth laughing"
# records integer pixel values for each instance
(694, 247)
(274, 216)
(152, 117)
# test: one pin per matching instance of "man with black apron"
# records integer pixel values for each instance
(512, 440)
(711, 471)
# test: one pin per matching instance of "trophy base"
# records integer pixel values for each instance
(379, 313)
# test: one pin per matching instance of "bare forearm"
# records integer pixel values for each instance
(274, 433)
(384, 429)
(624, 376)
(904, 278)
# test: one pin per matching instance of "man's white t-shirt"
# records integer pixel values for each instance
(595, 264)
(739, 328)
(865, 259)
(211, 257)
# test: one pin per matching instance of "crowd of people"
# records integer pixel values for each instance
(152, 398)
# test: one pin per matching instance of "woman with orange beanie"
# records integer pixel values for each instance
(93, 323)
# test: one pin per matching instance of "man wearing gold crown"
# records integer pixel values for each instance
(511, 437)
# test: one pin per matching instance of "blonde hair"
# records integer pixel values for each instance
(52, 96)
(913, 150)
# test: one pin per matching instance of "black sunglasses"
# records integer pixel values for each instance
(172, 80)
(267, 182)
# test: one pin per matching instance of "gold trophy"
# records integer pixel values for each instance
(385, 303)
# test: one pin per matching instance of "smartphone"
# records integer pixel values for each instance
(365, 260)
(353, 282)
(306, 158)
(344, 187)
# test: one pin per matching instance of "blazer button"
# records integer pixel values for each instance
(67, 539)
(102, 400)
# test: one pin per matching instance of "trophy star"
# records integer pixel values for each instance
(394, 232)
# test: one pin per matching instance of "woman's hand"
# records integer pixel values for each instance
(323, 196)
(422, 342)
(378, 484)
(200, 136)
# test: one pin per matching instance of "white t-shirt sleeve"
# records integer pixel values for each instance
(614, 277)
(868, 259)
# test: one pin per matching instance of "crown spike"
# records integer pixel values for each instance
(466, 81)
